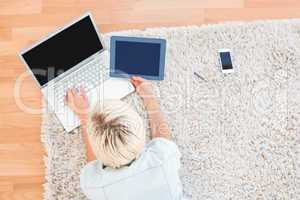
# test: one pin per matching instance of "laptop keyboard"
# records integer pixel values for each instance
(89, 76)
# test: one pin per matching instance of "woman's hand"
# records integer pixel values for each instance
(158, 124)
(145, 91)
(78, 102)
(142, 87)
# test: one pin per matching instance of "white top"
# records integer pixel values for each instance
(153, 175)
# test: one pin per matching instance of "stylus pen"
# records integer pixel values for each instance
(199, 76)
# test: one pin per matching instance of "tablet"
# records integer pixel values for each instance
(131, 56)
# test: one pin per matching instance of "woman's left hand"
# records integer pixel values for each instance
(77, 101)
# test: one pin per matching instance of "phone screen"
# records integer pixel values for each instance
(226, 60)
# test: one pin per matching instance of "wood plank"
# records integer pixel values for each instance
(6, 190)
(159, 15)
(5, 33)
(6, 195)
(19, 121)
(23, 151)
(32, 33)
(79, 6)
(125, 26)
(272, 3)
(6, 186)
(29, 135)
(12, 7)
(22, 179)
(28, 191)
(179, 4)
(9, 105)
(28, 88)
(12, 47)
(10, 61)
(46, 19)
(235, 14)
(22, 167)
(21, 187)
(53, 6)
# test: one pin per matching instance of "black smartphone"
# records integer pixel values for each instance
(225, 60)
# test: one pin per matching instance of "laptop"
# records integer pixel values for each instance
(73, 56)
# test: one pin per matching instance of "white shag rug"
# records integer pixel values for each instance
(239, 134)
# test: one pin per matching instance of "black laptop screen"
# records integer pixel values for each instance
(63, 50)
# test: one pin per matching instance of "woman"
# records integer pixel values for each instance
(121, 165)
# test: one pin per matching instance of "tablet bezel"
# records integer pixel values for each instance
(114, 73)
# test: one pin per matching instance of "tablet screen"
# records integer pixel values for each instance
(143, 57)
(137, 58)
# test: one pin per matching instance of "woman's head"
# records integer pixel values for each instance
(116, 133)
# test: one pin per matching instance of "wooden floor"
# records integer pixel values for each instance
(25, 21)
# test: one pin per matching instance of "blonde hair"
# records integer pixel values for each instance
(116, 133)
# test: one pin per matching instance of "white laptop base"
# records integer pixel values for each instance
(112, 88)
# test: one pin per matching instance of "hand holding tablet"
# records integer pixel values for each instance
(131, 56)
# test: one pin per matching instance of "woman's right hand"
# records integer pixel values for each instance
(158, 124)
(142, 87)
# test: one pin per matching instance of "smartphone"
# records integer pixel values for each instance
(225, 60)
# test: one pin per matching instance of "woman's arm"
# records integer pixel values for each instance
(158, 124)
(78, 102)
(89, 151)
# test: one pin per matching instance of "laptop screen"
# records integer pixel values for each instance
(63, 51)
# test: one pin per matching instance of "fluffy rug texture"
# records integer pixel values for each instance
(238, 133)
